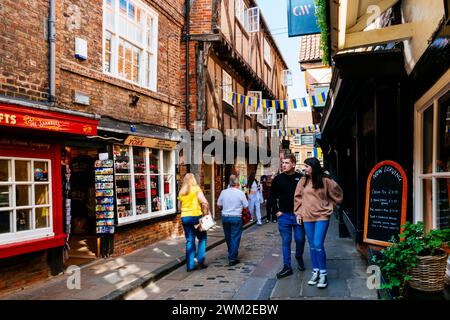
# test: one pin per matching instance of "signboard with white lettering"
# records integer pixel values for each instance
(386, 196)
(302, 18)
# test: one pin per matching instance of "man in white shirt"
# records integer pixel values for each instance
(232, 201)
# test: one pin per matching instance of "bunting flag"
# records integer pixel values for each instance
(293, 132)
(295, 104)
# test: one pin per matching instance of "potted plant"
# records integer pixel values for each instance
(415, 257)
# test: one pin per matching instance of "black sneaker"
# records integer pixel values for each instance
(286, 271)
(301, 264)
(202, 266)
(233, 263)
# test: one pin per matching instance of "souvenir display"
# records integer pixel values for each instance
(104, 194)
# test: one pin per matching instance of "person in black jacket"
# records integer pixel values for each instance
(282, 199)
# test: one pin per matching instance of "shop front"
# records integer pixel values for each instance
(139, 188)
(32, 233)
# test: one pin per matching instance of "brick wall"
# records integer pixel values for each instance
(201, 17)
(23, 270)
(108, 95)
(23, 49)
(135, 236)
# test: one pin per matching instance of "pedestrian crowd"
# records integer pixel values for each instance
(300, 203)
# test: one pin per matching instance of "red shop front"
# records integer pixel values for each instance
(31, 214)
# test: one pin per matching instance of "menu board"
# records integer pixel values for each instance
(386, 196)
(104, 194)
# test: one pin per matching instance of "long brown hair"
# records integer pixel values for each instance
(317, 174)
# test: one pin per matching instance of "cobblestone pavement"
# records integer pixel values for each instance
(255, 277)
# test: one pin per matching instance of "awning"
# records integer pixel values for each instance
(16, 116)
(108, 124)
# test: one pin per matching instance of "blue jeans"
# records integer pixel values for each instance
(316, 233)
(286, 223)
(232, 228)
(190, 232)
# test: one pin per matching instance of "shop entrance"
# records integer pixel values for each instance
(79, 203)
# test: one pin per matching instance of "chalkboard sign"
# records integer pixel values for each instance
(386, 196)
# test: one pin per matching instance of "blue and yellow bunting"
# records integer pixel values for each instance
(294, 104)
(293, 132)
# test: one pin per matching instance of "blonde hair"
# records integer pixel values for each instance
(188, 182)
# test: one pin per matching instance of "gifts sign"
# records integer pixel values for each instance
(386, 195)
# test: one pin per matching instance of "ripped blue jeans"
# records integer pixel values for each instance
(316, 233)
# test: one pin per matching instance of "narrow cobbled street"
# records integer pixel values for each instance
(255, 276)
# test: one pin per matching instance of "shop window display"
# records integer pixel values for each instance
(149, 186)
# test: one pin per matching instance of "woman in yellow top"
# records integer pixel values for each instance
(193, 205)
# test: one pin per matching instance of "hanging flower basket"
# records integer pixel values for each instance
(429, 273)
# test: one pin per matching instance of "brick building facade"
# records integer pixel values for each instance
(140, 95)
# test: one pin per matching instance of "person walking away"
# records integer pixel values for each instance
(241, 179)
(193, 206)
(253, 188)
(316, 198)
(282, 199)
(271, 214)
(232, 201)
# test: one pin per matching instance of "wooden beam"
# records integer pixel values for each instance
(205, 37)
(352, 12)
(370, 17)
(379, 36)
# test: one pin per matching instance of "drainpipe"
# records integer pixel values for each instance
(52, 44)
(186, 37)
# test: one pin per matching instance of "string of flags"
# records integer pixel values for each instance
(293, 132)
(298, 103)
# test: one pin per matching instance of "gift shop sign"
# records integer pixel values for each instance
(386, 196)
(22, 117)
(150, 143)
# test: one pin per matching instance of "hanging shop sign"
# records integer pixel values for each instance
(150, 143)
(302, 18)
(386, 196)
(22, 117)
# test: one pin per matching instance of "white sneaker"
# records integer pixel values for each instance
(323, 281)
(314, 279)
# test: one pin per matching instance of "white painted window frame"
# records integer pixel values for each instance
(32, 234)
(250, 110)
(145, 67)
(253, 19)
(429, 100)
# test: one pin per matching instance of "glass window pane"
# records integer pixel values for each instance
(140, 184)
(128, 62)
(123, 192)
(443, 137)
(427, 140)
(168, 195)
(154, 161)
(121, 62)
(23, 170)
(5, 221)
(123, 6)
(427, 203)
(121, 159)
(41, 194)
(167, 162)
(23, 219)
(23, 196)
(40, 171)
(5, 170)
(155, 193)
(443, 203)
(5, 196)
(42, 217)
(139, 160)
